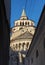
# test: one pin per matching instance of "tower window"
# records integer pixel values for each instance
(21, 23)
(25, 23)
(28, 23)
(13, 46)
(37, 54)
(27, 44)
(23, 45)
(19, 45)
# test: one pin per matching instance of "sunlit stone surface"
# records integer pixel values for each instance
(20, 40)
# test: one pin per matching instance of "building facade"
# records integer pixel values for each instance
(21, 36)
(4, 33)
(36, 52)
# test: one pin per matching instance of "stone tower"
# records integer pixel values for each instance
(20, 40)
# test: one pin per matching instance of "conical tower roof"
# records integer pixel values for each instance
(23, 13)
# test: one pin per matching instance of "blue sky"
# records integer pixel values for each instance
(33, 9)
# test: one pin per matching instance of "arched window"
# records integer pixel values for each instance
(21, 23)
(28, 23)
(19, 45)
(14, 46)
(27, 44)
(25, 23)
(23, 45)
